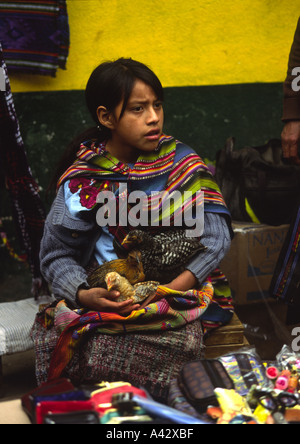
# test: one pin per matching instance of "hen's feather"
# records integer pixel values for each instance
(165, 254)
(130, 267)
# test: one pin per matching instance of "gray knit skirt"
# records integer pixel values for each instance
(149, 360)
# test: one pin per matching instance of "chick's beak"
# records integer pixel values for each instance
(108, 283)
(125, 241)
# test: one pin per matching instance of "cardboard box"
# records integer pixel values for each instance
(251, 260)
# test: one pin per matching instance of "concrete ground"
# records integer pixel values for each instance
(18, 379)
(18, 375)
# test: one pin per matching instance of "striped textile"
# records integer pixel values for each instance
(150, 360)
(220, 310)
(286, 277)
(172, 310)
(28, 210)
(16, 321)
(34, 35)
(172, 167)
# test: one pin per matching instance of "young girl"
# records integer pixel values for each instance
(127, 146)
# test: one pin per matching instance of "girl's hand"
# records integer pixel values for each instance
(185, 281)
(100, 299)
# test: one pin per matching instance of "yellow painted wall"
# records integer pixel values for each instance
(193, 42)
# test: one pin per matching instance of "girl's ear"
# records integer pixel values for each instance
(105, 117)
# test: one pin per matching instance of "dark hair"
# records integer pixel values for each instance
(112, 82)
(109, 84)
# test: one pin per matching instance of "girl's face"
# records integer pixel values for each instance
(139, 128)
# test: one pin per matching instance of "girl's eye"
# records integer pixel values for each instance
(137, 109)
(158, 105)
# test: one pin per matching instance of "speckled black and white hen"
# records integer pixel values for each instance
(164, 254)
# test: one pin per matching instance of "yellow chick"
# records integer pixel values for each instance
(137, 292)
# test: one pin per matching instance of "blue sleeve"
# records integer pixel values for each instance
(217, 239)
(66, 248)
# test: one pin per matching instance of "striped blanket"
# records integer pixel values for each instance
(211, 304)
(34, 35)
(174, 166)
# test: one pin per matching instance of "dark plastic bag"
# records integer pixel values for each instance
(259, 179)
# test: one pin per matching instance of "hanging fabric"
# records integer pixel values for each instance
(28, 210)
(34, 35)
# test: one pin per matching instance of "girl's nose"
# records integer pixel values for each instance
(153, 116)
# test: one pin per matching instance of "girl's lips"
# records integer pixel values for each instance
(153, 135)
